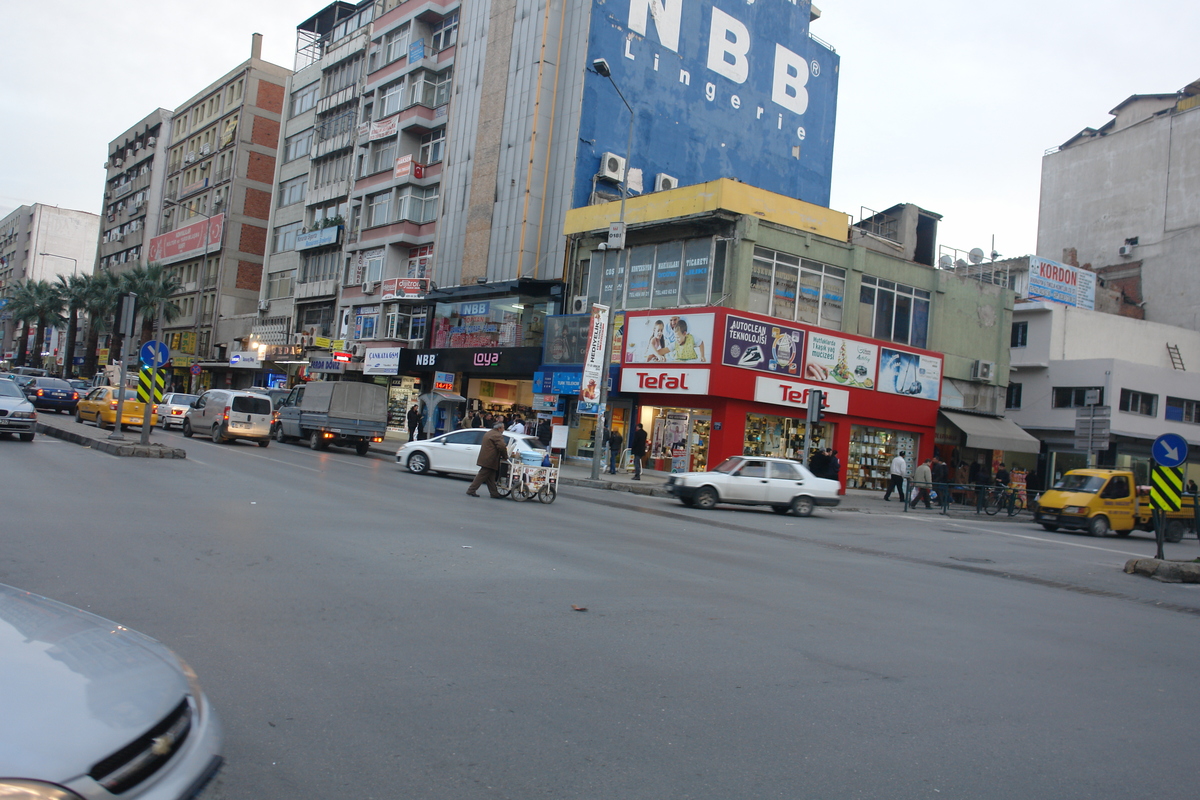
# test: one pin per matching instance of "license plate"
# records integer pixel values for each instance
(239, 425)
(4, 422)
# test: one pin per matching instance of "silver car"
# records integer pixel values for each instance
(225, 414)
(173, 407)
(94, 710)
(17, 414)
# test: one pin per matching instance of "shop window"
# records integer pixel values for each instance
(1180, 410)
(405, 322)
(1013, 398)
(641, 272)
(782, 437)
(1020, 334)
(666, 275)
(366, 321)
(1075, 396)
(893, 312)
(496, 322)
(792, 288)
(868, 464)
(1139, 403)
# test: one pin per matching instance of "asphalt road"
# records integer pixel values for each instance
(368, 633)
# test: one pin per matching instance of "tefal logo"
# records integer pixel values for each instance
(678, 381)
(791, 394)
(795, 395)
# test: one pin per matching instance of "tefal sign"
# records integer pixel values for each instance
(672, 381)
(795, 395)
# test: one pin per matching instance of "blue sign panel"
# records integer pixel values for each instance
(318, 238)
(744, 85)
(155, 353)
(566, 383)
(1170, 450)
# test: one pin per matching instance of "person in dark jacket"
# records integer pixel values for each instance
(833, 470)
(615, 441)
(941, 480)
(414, 421)
(492, 451)
(637, 446)
(818, 464)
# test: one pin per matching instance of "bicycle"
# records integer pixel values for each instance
(1011, 500)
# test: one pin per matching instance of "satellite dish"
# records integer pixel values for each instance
(945, 262)
(960, 264)
(976, 255)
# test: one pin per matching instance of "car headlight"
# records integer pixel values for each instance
(24, 415)
(1074, 510)
(17, 789)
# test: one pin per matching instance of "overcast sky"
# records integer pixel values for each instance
(948, 104)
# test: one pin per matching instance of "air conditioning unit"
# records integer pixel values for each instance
(369, 287)
(579, 304)
(120, 237)
(983, 370)
(118, 162)
(206, 149)
(1125, 250)
(106, 165)
(302, 339)
(263, 305)
(663, 181)
(112, 217)
(137, 146)
(189, 158)
(612, 167)
(153, 140)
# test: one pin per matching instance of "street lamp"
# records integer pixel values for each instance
(74, 263)
(602, 69)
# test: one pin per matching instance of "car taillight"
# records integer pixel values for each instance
(154, 409)
(225, 416)
(41, 392)
(112, 404)
(74, 395)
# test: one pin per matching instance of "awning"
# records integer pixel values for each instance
(993, 433)
(440, 396)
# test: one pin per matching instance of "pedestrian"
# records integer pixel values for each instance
(818, 464)
(414, 421)
(517, 426)
(637, 446)
(1191, 487)
(491, 452)
(476, 420)
(923, 481)
(834, 470)
(1002, 476)
(545, 432)
(896, 476)
(941, 481)
(614, 440)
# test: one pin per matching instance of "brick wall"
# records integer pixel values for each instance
(261, 168)
(270, 97)
(253, 240)
(265, 132)
(249, 275)
(258, 204)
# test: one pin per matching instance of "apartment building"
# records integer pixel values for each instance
(133, 187)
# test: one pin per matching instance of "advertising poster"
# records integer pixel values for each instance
(910, 374)
(845, 362)
(566, 339)
(1062, 283)
(593, 362)
(669, 338)
(763, 346)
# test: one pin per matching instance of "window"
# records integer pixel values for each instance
(792, 288)
(420, 261)
(297, 146)
(417, 203)
(1139, 403)
(384, 156)
(319, 266)
(343, 76)
(293, 191)
(1180, 410)
(431, 89)
(279, 284)
(405, 322)
(395, 44)
(379, 209)
(366, 321)
(304, 99)
(285, 237)
(1075, 396)
(431, 146)
(1020, 334)
(390, 98)
(372, 268)
(893, 311)
(1013, 400)
(445, 33)
(335, 125)
(331, 170)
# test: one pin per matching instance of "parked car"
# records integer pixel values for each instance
(52, 394)
(173, 407)
(780, 483)
(100, 406)
(455, 452)
(277, 395)
(17, 414)
(80, 385)
(94, 710)
(224, 414)
(35, 372)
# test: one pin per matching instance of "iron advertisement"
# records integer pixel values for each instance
(763, 346)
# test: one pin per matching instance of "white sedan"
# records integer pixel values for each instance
(456, 452)
(780, 483)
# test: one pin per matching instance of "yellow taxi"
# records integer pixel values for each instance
(100, 406)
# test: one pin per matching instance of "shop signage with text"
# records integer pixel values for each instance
(186, 242)
(667, 381)
(326, 365)
(763, 346)
(795, 395)
(381, 361)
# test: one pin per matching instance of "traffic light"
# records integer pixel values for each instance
(816, 401)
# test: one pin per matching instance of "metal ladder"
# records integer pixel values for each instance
(1176, 359)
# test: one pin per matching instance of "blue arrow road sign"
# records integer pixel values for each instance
(155, 353)
(1170, 450)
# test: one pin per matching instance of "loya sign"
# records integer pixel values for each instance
(795, 395)
(665, 381)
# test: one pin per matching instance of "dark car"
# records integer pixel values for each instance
(52, 394)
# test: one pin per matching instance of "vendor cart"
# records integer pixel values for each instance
(522, 478)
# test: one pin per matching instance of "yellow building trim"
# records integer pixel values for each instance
(723, 194)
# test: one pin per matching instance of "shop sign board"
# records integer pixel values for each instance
(665, 380)
(910, 374)
(566, 338)
(565, 382)
(318, 238)
(187, 242)
(670, 338)
(593, 362)
(245, 359)
(384, 127)
(841, 361)
(1061, 283)
(381, 361)
(764, 346)
(325, 365)
(795, 395)
(545, 402)
(405, 288)
(443, 381)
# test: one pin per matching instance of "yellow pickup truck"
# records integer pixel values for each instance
(1104, 500)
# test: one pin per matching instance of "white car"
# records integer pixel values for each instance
(173, 407)
(455, 452)
(780, 483)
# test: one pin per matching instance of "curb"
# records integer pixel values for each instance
(124, 450)
(1165, 571)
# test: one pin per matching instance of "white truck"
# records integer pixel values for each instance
(341, 413)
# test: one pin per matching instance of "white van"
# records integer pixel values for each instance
(224, 414)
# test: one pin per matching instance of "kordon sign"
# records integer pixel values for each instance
(189, 241)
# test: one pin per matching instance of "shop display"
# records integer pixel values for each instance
(783, 437)
(869, 462)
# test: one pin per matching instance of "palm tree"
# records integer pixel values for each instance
(73, 289)
(154, 286)
(36, 301)
(100, 304)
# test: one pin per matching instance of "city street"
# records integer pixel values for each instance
(368, 633)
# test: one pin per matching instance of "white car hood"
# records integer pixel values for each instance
(76, 687)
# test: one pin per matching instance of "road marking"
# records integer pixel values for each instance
(1048, 541)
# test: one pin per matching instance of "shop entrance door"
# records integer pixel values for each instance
(698, 442)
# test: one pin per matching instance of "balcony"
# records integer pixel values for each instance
(339, 141)
(327, 288)
(341, 97)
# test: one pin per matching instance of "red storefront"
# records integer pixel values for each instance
(711, 383)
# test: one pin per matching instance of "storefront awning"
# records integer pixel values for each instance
(440, 396)
(993, 433)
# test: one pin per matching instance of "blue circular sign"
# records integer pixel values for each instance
(155, 353)
(1170, 450)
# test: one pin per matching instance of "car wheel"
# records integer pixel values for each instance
(1098, 525)
(317, 442)
(706, 498)
(26, 437)
(216, 434)
(1051, 528)
(187, 429)
(1174, 531)
(263, 442)
(279, 437)
(78, 416)
(418, 463)
(803, 506)
(362, 448)
(780, 509)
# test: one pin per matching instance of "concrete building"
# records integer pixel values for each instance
(1121, 200)
(40, 242)
(216, 204)
(133, 189)
(1146, 372)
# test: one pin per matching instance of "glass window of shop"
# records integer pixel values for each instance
(496, 322)
(402, 395)
(783, 437)
(678, 438)
(790, 287)
(667, 275)
(869, 462)
(893, 311)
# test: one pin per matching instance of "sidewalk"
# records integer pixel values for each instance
(88, 435)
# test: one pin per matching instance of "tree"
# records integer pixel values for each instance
(40, 302)
(100, 304)
(74, 290)
(154, 286)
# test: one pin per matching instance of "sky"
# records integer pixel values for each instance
(948, 104)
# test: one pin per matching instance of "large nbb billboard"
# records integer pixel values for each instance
(719, 90)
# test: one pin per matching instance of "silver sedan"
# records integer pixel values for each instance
(173, 407)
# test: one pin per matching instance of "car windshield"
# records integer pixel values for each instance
(129, 394)
(252, 405)
(728, 465)
(9, 389)
(183, 399)
(1080, 483)
(51, 383)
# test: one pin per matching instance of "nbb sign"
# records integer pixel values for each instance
(744, 80)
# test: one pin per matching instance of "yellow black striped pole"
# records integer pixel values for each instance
(148, 377)
(1166, 488)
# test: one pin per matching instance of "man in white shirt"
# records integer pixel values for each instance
(517, 426)
(898, 471)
